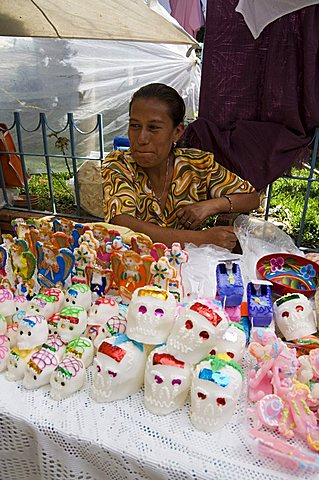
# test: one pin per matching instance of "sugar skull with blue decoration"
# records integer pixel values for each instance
(80, 295)
(215, 390)
(32, 332)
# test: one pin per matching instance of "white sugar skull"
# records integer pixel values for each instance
(53, 322)
(103, 332)
(3, 325)
(12, 334)
(102, 310)
(232, 342)
(81, 348)
(58, 297)
(294, 316)
(150, 315)
(17, 363)
(21, 303)
(72, 324)
(80, 295)
(55, 344)
(39, 369)
(119, 369)
(197, 330)
(215, 389)
(4, 352)
(167, 382)
(32, 332)
(7, 305)
(41, 305)
(68, 377)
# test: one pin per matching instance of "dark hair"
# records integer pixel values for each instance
(166, 94)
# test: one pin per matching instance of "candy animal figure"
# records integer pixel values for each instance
(68, 377)
(81, 348)
(294, 316)
(131, 271)
(33, 331)
(232, 342)
(80, 295)
(150, 315)
(17, 363)
(197, 330)
(72, 324)
(215, 389)
(119, 369)
(167, 382)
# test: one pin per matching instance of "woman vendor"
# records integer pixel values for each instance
(167, 192)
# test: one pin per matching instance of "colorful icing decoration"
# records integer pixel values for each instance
(68, 377)
(119, 369)
(167, 382)
(32, 332)
(196, 331)
(4, 351)
(177, 258)
(259, 302)
(7, 305)
(79, 294)
(54, 264)
(150, 315)
(17, 363)
(102, 310)
(230, 287)
(73, 322)
(85, 257)
(39, 369)
(81, 348)
(41, 305)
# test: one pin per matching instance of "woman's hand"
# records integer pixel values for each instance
(191, 216)
(221, 236)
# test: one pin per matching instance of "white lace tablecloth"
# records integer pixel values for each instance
(80, 439)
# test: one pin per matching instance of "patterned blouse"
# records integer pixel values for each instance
(196, 177)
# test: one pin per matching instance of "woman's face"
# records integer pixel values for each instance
(151, 132)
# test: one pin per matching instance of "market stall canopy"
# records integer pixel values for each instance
(127, 20)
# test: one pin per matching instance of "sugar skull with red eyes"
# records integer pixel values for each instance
(150, 315)
(167, 382)
(232, 342)
(119, 369)
(197, 330)
(294, 316)
(215, 390)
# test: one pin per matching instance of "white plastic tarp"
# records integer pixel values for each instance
(87, 77)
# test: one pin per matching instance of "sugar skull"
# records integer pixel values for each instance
(32, 332)
(4, 352)
(150, 315)
(102, 310)
(81, 348)
(12, 334)
(17, 363)
(72, 324)
(119, 369)
(197, 330)
(41, 305)
(39, 369)
(167, 382)
(80, 295)
(68, 377)
(58, 297)
(232, 342)
(294, 316)
(7, 305)
(21, 303)
(215, 389)
(53, 322)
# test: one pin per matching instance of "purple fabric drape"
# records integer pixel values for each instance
(259, 101)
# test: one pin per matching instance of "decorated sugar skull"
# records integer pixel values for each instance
(12, 334)
(167, 382)
(215, 389)
(17, 363)
(102, 310)
(68, 377)
(104, 331)
(53, 322)
(41, 305)
(3, 325)
(294, 316)
(32, 332)
(119, 369)
(150, 315)
(7, 305)
(4, 352)
(39, 368)
(197, 330)
(58, 297)
(80, 295)
(81, 348)
(21, 303)
(72, 324)
(232, 342)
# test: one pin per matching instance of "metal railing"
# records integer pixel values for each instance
(71, 128)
